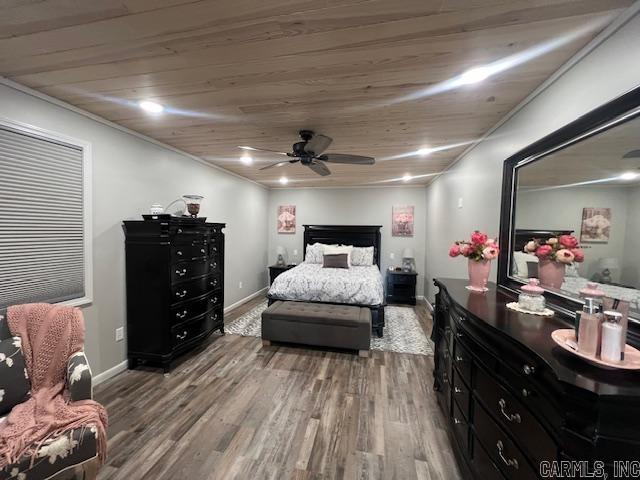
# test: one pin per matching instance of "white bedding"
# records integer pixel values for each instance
(360, 285)
(573, 285)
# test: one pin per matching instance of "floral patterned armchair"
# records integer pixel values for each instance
(71, 455)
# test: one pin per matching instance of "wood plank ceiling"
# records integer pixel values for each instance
(254, 72)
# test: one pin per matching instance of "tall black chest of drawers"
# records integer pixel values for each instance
(175, 286)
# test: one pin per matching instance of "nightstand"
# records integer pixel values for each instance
(401, 287)
(275, 270)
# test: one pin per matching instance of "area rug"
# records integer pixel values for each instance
(402, 331)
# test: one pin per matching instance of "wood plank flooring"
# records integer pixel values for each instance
(236, 409)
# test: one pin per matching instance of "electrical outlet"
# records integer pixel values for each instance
(239, 284)
(392, 255)
(460, 202)
(119, 334)
(295, 253)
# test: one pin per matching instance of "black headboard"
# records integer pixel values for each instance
(522, 237)
(356, 235)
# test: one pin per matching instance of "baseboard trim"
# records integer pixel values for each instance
(122, 366)
(112, 372)
(245, 299)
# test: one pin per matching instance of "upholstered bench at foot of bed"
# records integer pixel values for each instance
(324, 325)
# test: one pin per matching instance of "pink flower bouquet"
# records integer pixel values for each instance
(563, 249)
(480, 251)
(481, 247)
(554, 254)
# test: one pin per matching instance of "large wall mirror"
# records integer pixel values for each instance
(571, 209)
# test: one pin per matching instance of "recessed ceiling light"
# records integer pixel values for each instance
(475, 75)
(424, 151)
(406, 177)
(246, 159)
(151, 107)
(284, 180)
(629, 176)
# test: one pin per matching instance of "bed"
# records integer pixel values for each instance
(358, 285)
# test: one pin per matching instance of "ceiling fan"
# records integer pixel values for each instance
(309, 153)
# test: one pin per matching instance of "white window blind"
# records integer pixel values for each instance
(42, 244)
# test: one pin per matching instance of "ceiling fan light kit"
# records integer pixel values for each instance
(309, 152)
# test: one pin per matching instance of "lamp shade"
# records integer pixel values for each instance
(408, 253)
(610, 263)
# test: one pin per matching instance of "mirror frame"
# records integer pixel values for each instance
(620, 110)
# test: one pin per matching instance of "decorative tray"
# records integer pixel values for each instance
(631, 355)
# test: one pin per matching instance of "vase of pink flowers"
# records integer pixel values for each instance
(554, 254)
(479, 252)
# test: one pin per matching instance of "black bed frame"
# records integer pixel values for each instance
(358, 236)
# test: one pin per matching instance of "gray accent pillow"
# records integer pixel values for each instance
(362, 256)
(14, 381)
(336, 260)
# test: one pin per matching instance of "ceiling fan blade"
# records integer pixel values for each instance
(278, 164)
(632, 154)
(318, 144)
(252, 149)
(345, 158)
(320, 168)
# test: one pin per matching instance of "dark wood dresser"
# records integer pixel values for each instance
(175, 286)
(514, 401)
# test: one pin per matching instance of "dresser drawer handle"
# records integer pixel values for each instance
(514, 417)
(457, 421)
(526, 393)
(183, 336)
(214, 316)
(459, 335)
(179, 253)
(214, 299)
(528, 370)
(213, 283)
(445, 378)
(181, 315)
(181, 294)
(459, 358)
(213, 265)
(179, 230)
(181, 273)
(215, 249)
(510, 462)
(457, 390)
(203, 251)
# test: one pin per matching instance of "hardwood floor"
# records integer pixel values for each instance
(236, 409)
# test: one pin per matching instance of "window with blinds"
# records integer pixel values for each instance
(42, 244)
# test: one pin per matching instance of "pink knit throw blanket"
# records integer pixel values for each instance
(50, 335)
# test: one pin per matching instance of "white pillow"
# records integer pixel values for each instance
(520, 260)
(362, 256)
(337, 250)
(315, 253)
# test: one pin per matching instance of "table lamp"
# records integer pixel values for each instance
(282, 254)
(408, 260)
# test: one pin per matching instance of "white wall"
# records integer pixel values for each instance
(605, 73)
(562, 209)
(129, 174)
(351, 206)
